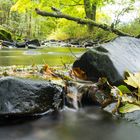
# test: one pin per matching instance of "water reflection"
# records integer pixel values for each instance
(88, 124)
(51, 56)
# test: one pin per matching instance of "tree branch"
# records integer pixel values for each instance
(83, 21)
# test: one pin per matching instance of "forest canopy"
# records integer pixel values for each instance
(20, 18)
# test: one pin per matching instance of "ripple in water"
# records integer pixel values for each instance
(31, 52)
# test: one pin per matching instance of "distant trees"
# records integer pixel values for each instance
(20, 18)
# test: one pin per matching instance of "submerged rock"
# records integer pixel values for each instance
(134, 117)
(28, 97)
(111, 60)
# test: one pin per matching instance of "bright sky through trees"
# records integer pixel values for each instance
(112, 11)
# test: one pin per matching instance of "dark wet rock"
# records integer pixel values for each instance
(111, 60)
(31, 44)
(5, 35)
(8, 43)
(20, 44)
(28, 97)
(14, 44)
(56, 43)
(87, 94)
(134, 117)
(89, 44)
(34, 42)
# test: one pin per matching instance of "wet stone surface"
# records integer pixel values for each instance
(28, 97)
(111, 60)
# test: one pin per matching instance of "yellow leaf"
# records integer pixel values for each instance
(128, 108)
(133, 80)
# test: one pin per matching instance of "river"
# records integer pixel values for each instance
(52, 56)
(86, 124)
(89, 123)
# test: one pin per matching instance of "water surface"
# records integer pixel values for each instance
(88, 124)
(52, 56)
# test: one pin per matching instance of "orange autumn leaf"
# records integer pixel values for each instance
(77, 72)
(47, 69)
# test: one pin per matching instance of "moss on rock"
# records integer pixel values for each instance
(5, 35)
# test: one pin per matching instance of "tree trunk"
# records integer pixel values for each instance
(90, 10)
(84, 22)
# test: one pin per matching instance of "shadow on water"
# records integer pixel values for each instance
(86, 124)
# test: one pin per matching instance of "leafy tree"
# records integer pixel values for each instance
(25, 22)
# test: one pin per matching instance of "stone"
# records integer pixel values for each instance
(34, 42)
(5, 35)
(8, 43)
(27, 97)
(132, 117)
(111, 60)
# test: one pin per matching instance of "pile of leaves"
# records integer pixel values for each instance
(128, 96)
(80, 91)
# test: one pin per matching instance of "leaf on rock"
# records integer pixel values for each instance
(133, 80)
(124, 89)
(129, 108)
(77, 72)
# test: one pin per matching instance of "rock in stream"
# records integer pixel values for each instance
(111, 60)
(27, 97)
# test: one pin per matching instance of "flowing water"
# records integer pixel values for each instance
(87, 124)
(52, 56)
(90, 123)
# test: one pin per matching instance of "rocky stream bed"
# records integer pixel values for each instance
(62, 99)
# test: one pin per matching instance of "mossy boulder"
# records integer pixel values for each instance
(5, 35)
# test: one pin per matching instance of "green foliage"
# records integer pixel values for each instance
(129, 108)
(5, 35)
(129, 100)
(124, 89)
(132, 27)
(19, 17)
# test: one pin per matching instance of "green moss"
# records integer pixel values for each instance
(5, 35)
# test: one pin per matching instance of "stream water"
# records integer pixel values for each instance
(90, 123)
(87, 124)
(52, 56)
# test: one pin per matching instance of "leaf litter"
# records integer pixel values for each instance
(79, 90)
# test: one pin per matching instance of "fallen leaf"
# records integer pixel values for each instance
(77, 72)
(133, 80)
(129, 108)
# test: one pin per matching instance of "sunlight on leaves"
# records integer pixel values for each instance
(133, 80)
(129, 108)
(124, 89)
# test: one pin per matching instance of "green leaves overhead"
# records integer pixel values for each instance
(22, 5)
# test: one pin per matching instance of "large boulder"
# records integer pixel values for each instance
(28, 97)
(111, 60)
(5, 35)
